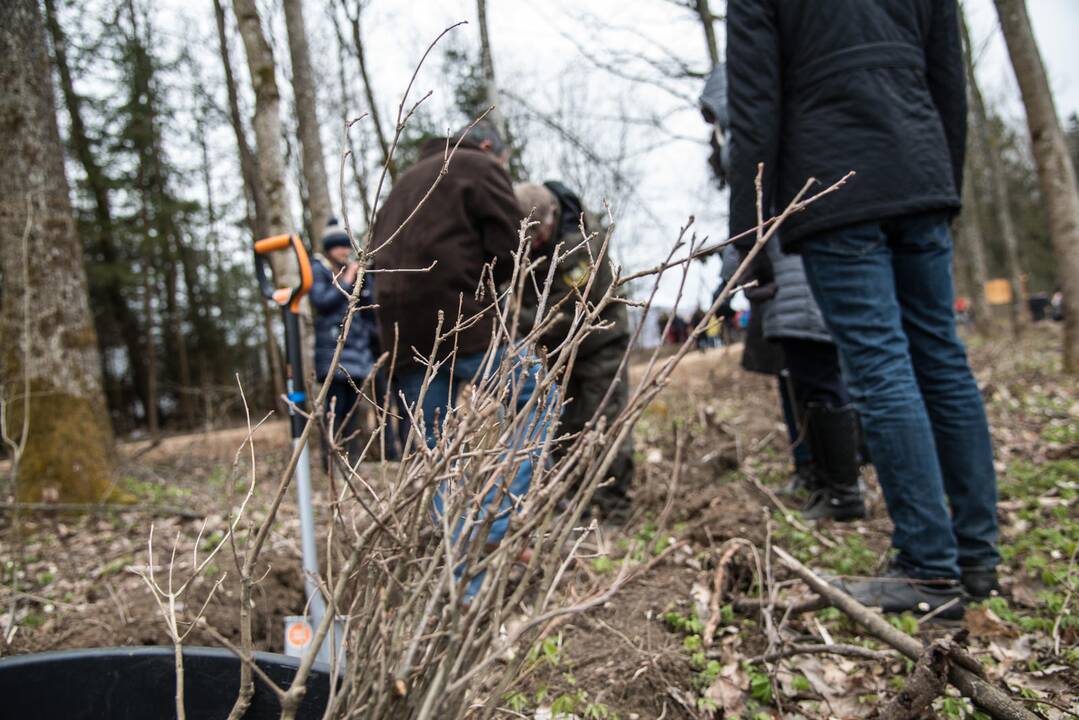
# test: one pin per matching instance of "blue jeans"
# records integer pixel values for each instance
(885, 289)
(442, 393)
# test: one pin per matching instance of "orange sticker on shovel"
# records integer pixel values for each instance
(299, 634)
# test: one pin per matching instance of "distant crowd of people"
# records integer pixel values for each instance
(853, 309)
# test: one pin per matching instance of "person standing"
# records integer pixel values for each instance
(468, 222)
(334, 274)
(598, 363)
(877, 87)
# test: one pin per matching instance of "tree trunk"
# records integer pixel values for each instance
(973, 243)
(46, 313)
(487, 66)
(257, 216)
(708, 23)
(1055, 171)
(184, 388)
(303, 87)
(98, 185)
(369, 91)
(150, 355)
(271, 160)
(986, 164)
(256, 196)
(268, 134)
(359, 172)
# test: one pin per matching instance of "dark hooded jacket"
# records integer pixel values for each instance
(873, 86)
(470, 219)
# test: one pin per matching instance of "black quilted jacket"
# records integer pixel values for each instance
(820, 87)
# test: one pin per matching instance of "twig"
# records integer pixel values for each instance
(813, 604)
(1067, 599)
(835, 649)
(157, 510)
(719, 582)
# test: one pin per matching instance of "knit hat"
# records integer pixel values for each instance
(334, 236)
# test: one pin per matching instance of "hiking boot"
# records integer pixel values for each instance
(980, 583)
(839, 506)
(833, 440)
(897, 592)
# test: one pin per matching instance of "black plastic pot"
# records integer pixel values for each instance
(140, 684)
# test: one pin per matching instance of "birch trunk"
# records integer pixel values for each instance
(271, 159)
(303, 87)
(1055, 171)
(487, 65)
(973, 243)
(986, 164)
(48, 341)
(256, 200)
(708, 24)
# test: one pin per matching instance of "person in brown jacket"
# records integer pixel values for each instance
(470, 220)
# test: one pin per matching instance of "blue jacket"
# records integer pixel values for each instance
(362, 345)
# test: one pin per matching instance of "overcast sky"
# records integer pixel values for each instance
(532, 52)
(538, 56)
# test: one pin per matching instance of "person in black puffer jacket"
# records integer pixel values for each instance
(878, 87)
(361, 348)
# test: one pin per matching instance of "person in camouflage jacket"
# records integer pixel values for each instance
(559, 216)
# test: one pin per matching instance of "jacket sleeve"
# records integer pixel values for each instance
(947, 82)
(325, 297)
(496, 216)
(754, 96)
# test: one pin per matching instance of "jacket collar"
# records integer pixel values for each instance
(438, 146)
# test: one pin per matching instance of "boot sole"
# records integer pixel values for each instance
(839, 515)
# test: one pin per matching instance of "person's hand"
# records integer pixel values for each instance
(348, 275)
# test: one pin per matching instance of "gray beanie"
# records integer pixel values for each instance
(334, 236)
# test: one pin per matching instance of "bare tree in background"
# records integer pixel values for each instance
(98, 184)
(303, 87)
(986, 165)
(347, 112)
(271, 160)
(708, 25)
(52, 388)
(268, 132)
(354, 21)
(972, 240)
(1055, 171)
(487, 65)
(254, 192)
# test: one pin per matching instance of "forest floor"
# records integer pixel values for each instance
(642, 654)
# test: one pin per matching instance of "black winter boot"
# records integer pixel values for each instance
(833, 439)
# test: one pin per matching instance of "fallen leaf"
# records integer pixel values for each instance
(728, 691)
(984, 623)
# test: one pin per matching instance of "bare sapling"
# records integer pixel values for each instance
(436, 614)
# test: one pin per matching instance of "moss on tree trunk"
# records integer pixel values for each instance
(66, 456)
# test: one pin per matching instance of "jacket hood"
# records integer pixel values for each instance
(714, 98)
(570, 215)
